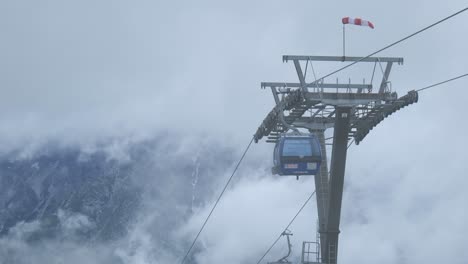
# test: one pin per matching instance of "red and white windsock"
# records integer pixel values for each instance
(357, 21)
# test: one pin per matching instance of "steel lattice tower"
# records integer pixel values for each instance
(352, 110)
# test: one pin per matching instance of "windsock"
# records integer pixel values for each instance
(357, 21)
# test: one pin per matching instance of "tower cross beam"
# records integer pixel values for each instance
(287, 58)
(322, 85)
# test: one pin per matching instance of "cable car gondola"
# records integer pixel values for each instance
(297, 154)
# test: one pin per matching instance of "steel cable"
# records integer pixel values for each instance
(217, 201)
(439, 83)
(287, 227)
(392, 44)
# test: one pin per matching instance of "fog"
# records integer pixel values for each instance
(84, 72)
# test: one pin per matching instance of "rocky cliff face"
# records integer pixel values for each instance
(98, 195)
(98, 188)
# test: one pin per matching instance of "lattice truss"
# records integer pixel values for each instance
(312, 105)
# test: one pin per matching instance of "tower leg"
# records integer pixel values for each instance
(337, 171)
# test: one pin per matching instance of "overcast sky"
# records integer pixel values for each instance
(80, 71)
(87, 68)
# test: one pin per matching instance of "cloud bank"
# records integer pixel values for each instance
(84, 72)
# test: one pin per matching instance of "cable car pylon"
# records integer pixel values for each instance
(351, 109)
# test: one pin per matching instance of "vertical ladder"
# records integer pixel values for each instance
(322, 190)
(317, 248)
(332, 254)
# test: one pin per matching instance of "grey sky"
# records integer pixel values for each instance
(78, 71)
(86, 68)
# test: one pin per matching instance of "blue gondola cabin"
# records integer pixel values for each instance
(297, 154)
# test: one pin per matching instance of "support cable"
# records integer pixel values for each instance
(286, 228)
(446, 81)
(217, 201)
(395, 43)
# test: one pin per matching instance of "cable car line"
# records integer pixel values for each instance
(391, 45)
(217, 201)
(300, 210)
(349, 145)
(446, 81)
(287, 227)
(316, 82)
